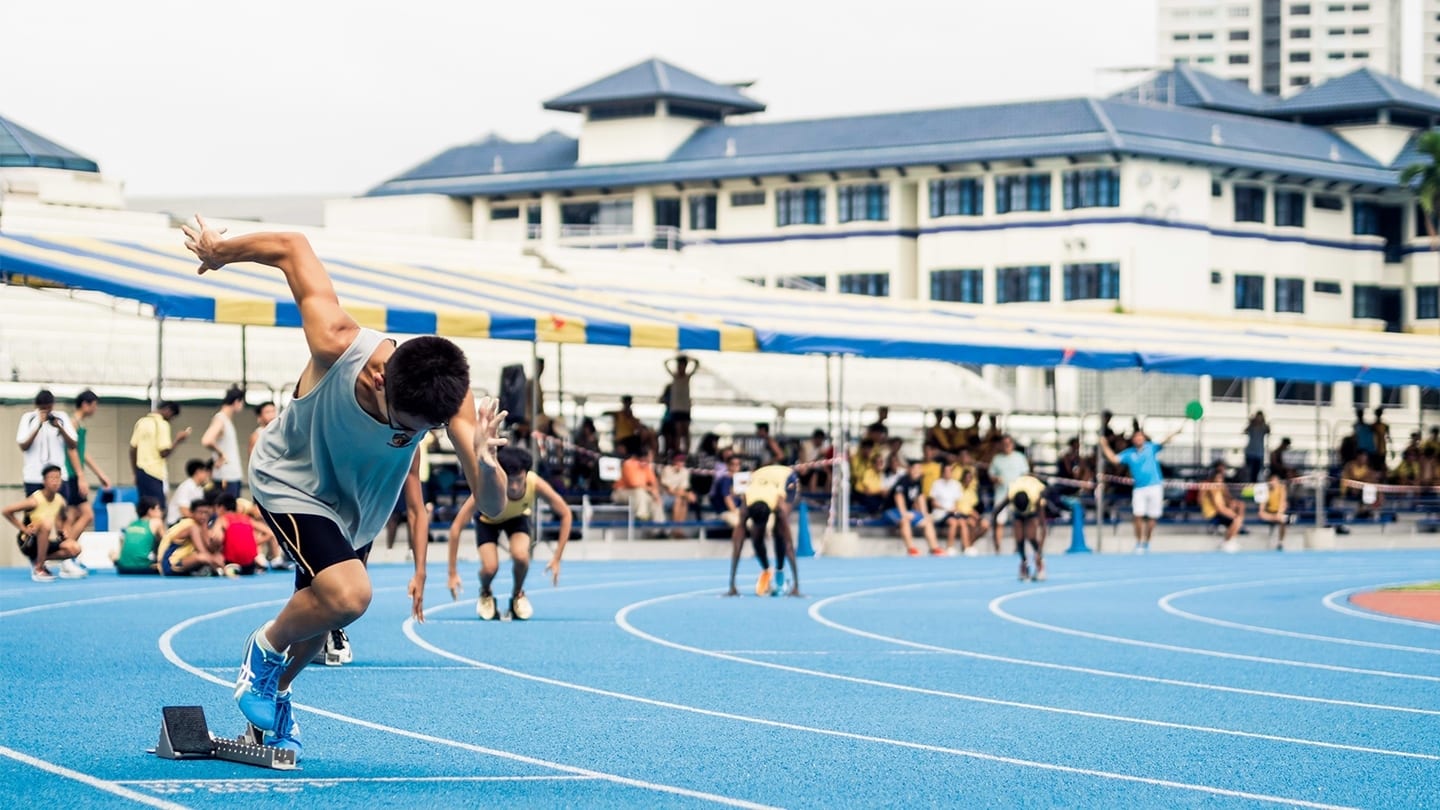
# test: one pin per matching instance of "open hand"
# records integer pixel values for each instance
(204, 241)
(456, 586)
(554, 568)
(417, 597)
(488, 422)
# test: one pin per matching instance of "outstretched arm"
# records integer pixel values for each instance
(419, 524)
(476, 436)
(329, 330)
(1176, 432)
(559, 507)
(1110, 457)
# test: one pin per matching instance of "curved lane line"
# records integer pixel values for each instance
(1329, 601)
(166, 644)
(997, 609)
(815, 613)
(1167, 604)
(87, 779)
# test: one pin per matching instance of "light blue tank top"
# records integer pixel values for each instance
(326, 456)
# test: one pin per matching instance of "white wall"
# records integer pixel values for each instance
(421, 214)
(631, 140)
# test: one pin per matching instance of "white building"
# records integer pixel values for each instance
(1281, 46)
(1430, 45)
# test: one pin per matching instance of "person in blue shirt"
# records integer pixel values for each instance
(1147, 499)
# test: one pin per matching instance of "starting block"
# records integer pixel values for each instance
(184, 734)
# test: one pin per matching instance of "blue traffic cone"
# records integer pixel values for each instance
(1077, 527)
(802, 537)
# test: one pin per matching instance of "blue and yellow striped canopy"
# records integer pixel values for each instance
(616, 309)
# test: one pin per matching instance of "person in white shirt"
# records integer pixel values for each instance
(945, 495)
(197, 472)
(224, 445)
(46, 437)
(1005, 469)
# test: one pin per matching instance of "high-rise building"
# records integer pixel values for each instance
(1430, 45)
(1282, 46)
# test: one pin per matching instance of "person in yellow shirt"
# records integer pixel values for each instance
(1222, 509)
(1275, 509)
(515, 521)
(930, 469)
(1028, 499)
(40, 537)
(772, 491)
(150, 445)
(186, 548)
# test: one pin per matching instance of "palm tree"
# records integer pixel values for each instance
(1424, 179)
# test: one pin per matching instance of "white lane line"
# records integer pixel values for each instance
(367, 668)
(1167, 604)
(112, 788)
(130, 597)
(996, 607)
(1331, 601)
(815, 613)
(321, 781)
(409, 628)
(167, 648)
(622, 619)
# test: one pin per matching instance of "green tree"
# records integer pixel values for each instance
(1424, 179)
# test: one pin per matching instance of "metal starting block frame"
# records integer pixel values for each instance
(184, 734)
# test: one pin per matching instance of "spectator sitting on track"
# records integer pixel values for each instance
(140, 540)
(1275, 509)
(264, 538)
(675, 487)
(909, 509)
(1222, 509)
(638, 486)
(40, 538)
(186, 548)
(235, 535)
(195, 487)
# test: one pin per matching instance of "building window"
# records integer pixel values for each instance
(956, 197)
(1335, 56)
(1249, 292)
(1300, 33)
(1090, 282)
(1215, 189)
(1430, 399)
(1204, 36)
(1327, 287)
(1238, 11)
(1022, 284)
(1360, 55)
(1238, 59)
(1289, 295)
(634, 109)
(1427, 302)
(1299, 81)
(746, 199)
(1299, 56)
(1296, 392)
(1300, 10)
(1360, 31)
(702, 212)
(1249, 204)
(1289, 209)
(1239, 36)
(1022, 192)
(508, 212)
(1227, 389)
(532, 221)
(1366, 218)
(758, 281)
(875, 284)
(869, 202)
(1336, 32)
(1204, 60)
(1366, 303)
(799, 206)
(1390, 395)
(965, 286)
(614, 216)
(807, 283)
(1335, 8)
(1329, 202)
(1181, 37)
(1091, 188)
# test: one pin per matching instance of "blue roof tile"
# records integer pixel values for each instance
(655, 79)
(495, 155)
(1363, 88)
(21, 147)
(1188, 87)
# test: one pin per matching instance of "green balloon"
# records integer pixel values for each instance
(1194, 410)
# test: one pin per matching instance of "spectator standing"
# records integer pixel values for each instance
(195, 487)
(626, 424)
(224, 445)
(151, 444)
(46, 438)
(676, 425)
(1256, 434)
(1381, 432)
(1006, 467)
(1277, 460)
(1147, 493)
(264, 415)
(81, 513)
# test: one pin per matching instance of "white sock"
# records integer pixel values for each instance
(263, 640)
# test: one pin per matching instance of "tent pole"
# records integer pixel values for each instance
(560, 379)
(829, 401)
(159, 363)
(1055, 412)
(1099, 463)
(842, 454)
(1320, 451)
(244, 359)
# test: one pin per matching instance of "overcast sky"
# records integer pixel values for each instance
(316, 96)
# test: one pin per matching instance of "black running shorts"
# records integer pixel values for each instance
(490, 532)
(313, 542)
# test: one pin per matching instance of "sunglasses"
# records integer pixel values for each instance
(404, 435)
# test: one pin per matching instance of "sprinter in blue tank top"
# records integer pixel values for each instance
(327, 473)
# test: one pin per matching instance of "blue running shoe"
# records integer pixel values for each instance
(777, 585)
(260, 673)
(287, 731)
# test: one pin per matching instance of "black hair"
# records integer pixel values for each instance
(200, 502)
(49, 468)
(171, 404)
(262, 406)
(43, 398)
(146, 504)
(1021, 501)
(514, 461)
(428, 377)
(225, 501)
(234, 395)
(85, 398)
(194, 465)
